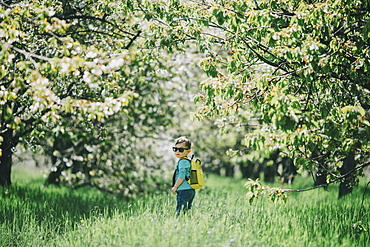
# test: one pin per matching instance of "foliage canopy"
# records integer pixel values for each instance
(300, 67)
(79, 79)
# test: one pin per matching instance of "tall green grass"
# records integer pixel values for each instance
(31, 216)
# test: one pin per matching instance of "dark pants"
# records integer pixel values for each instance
(184, 200)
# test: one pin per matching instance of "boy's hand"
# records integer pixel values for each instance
(174, 190)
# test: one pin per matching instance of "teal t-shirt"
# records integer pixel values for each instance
(182, 172)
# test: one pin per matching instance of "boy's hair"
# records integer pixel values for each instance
(184, 139)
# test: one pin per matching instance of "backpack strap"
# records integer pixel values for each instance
(174, 177)
(176, 170)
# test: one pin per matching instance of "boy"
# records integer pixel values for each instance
(180, 186)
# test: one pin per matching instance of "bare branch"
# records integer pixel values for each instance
(29, 55)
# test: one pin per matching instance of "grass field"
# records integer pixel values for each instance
(31, 216)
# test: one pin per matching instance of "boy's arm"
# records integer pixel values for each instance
(183, 166)
(177, 184)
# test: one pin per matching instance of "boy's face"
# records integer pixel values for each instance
(184, 154)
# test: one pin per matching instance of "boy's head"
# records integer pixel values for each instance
(182, 147)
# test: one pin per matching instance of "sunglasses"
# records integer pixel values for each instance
(180, 149)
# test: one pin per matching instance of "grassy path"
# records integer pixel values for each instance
(221, 216)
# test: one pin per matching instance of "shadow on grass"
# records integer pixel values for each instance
(62, 208)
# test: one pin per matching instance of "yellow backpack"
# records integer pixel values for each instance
(196, 179)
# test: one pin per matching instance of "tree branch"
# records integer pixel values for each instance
(271, 63)
(330, 182)
(30, 55)
(132, 40)
(96, 19)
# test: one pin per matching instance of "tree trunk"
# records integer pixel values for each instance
(345, 186)
(286, 170)
(250, 170)
(321, 179)
(229, 170)
(216, 171)
(58, 164)
(321, 173)
(270, 173)
(5, 167)
(6, 158)
(53, 177)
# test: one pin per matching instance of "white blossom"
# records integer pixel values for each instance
(51, 12)
(115, 63)
(314, 46)
(77, 157)
(276, 36)
(10, 58)
(97, 71)
(65, 67)
(87, 77)
(91, 54)
(34, 107)
(76, 51)
(93, 85)
(162, 72)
